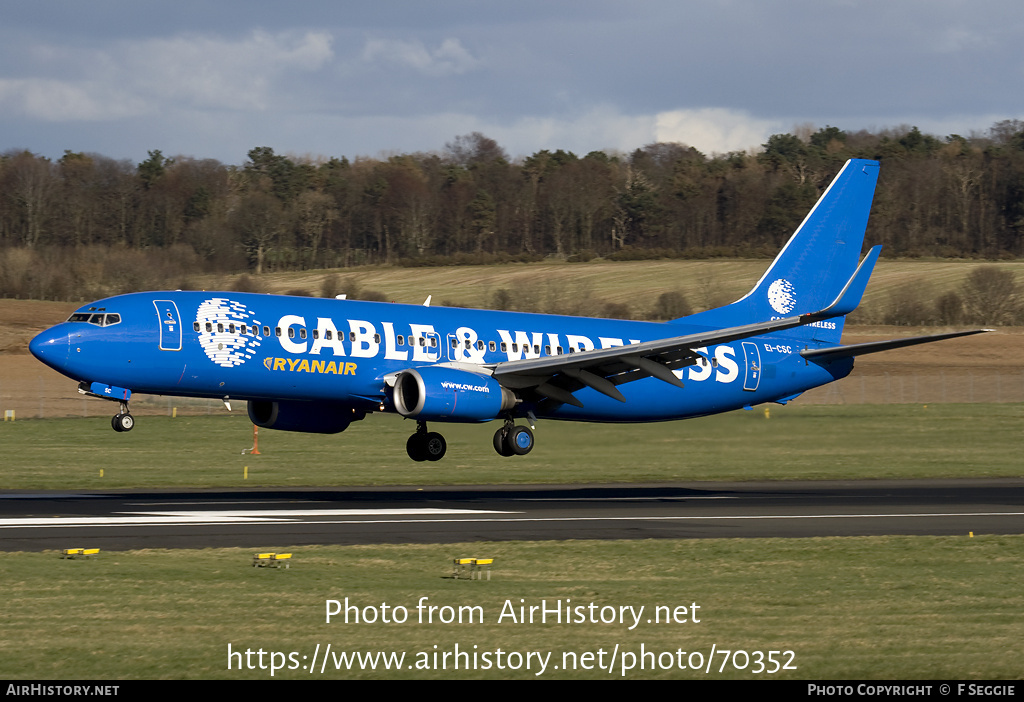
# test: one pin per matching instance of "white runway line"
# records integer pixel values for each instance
(227, 517)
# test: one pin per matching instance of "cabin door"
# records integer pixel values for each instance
(752, 358)
(170, 325)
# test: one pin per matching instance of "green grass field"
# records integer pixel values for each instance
(879, 607)
(812, 442)
(863, 607)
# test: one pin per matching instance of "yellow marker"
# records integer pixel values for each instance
(174, 413)
(101, 472)
(245, 473)
(971, 533)
(767, 414)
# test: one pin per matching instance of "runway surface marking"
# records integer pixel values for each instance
(228, 517)
(696, 518)
(417, 515)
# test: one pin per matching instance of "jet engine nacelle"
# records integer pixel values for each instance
(435, 393)
(313, 417)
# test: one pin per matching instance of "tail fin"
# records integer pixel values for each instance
(814, 265)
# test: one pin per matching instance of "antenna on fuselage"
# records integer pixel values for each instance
(426, 303)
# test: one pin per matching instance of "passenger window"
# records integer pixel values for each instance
(401, 340)
(328, 335)
(547, 350)
(504, 347)
(491, 345)
(291, 333)
(316, 333)
(479, 346)
(277, 330)
(351, 336)
(195, 326)
(376, 338)
(302, 333)
(209, 326)
(433, 342)
(231, 328)
(220, 328)
(266, 331)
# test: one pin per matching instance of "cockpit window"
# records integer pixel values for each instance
(97, 318)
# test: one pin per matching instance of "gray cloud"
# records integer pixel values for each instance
(338, 78)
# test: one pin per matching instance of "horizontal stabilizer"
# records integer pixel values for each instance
(833, 353)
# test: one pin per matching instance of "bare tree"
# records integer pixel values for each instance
(33, 182)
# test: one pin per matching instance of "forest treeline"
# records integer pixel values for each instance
(85, 225)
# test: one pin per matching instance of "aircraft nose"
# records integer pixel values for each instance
(51, 347)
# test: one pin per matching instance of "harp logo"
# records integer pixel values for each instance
(782, 296)
(227, 332)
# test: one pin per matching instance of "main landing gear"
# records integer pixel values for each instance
(511, 440)
(123, 420)
(426, 445)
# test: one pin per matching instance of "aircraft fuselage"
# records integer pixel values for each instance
(265, 347)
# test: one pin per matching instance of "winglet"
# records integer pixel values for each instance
(853, 291)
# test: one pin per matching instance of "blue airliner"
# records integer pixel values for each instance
(317, 365)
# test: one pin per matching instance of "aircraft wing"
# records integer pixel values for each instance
(558, 377)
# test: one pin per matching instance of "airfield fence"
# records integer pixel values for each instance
(920, 388)
(51, 395)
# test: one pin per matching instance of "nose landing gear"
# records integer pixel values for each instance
(123, 420)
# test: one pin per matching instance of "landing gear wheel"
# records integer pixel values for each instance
(425, 445)
(520, 440)
(434, 446)
(122, 422)
(501, 443)
(416, 447)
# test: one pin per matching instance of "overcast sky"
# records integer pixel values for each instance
(215, 78)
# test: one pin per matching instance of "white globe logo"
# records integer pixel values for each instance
(220, 331)
(782, 296)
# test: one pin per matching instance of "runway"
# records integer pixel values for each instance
(124, 520)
